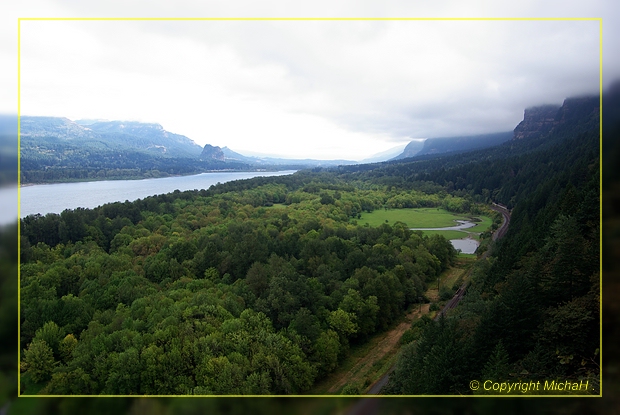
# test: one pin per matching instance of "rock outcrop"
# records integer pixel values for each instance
(537, 121)
(579, 112)
(210, 152)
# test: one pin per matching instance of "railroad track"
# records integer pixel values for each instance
(501, 231)
(454, 301)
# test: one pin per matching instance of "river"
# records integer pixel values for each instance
(54, 198)
(467, 245)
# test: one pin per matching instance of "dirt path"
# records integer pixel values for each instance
(386, 344)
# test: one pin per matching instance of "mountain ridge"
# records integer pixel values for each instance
(453, 144)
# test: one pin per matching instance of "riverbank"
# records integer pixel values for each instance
(147, 175)
(56, 197)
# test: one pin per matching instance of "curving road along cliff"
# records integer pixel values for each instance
(375, 389)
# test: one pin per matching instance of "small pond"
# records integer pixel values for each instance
(467, 245)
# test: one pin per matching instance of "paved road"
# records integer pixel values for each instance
(499, 233)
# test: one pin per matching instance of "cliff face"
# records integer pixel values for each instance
(578, 112)
(210, 152)
(537, 121)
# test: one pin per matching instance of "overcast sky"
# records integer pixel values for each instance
(320, 89)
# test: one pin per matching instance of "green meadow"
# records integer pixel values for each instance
(425, 218)
(414, 218)
(448, 234)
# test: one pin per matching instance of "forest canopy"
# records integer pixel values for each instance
(262, 286)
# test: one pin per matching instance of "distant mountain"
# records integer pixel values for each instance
(59, 149)
(210, 152)
(538, 121)
(48, 127)
(384, 155)
(106, 135)
(412, 149)
(147, 136)
(456, 144)
(88, 121)
(577, 117)
(232, 155)
(305, 163)
(55, 149)
(463, 143)
(264, 161)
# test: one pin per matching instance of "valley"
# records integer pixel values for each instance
(308, 283)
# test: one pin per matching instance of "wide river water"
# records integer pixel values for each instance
(54, 198)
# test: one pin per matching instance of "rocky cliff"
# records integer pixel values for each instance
(537, 121)
(577, 112)
(210, 152)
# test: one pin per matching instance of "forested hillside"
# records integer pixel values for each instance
(262, 286)
(58, 150)
(461, 144)
(532, 311)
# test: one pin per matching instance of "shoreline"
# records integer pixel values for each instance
(120, 178)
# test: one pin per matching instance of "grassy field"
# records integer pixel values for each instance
(484, 225)
(454, 274)
(414, 218)
(447, 234)
(425, 218)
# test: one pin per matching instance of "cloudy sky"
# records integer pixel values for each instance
(320, 89)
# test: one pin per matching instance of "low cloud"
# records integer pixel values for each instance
(339, 89)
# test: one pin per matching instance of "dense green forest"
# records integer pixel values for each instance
(262, 286)
(251, 287)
